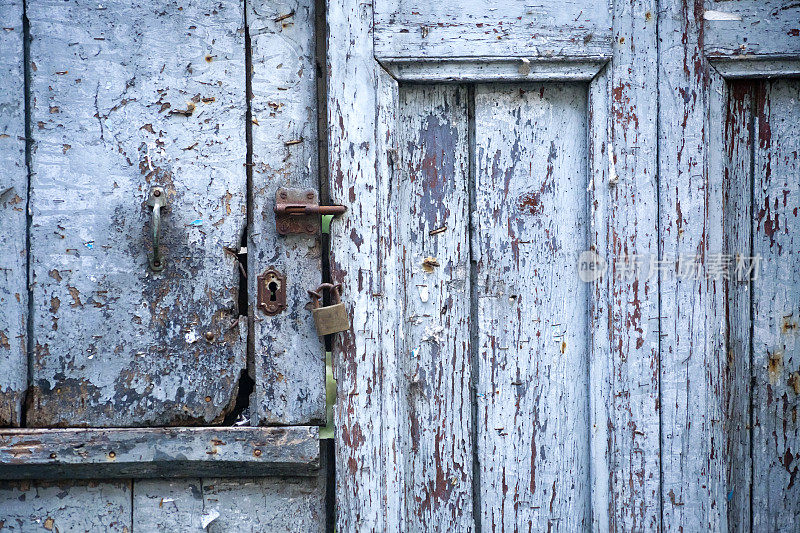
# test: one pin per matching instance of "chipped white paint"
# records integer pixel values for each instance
(125, 98)
(776, 307)
(289, 358)
(209, 515)
(456, 29)
(720, 15)
(531, 329)
(767, 28)
(13, 198)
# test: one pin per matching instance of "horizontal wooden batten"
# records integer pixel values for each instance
(446, 28)
(752, 27)
(494, 69)
(754, 67)
(158, 452)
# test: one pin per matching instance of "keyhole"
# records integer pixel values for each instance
(273, 291)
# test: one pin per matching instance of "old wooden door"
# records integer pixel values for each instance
(207, 107)
(489, 150)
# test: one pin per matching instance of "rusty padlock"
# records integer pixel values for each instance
(332, 318)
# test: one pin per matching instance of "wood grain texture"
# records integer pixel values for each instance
(776, 308)
(730, 158)
(368, 483)
(269, 505)
(757, 67)
(264, 505)
(168, 505)
(623, 365)
(288, 356)
(692, 356)
(492, 69)
(531, 322)
(169, 452)
(428, 206)
(455, 29)
(751, 28)
(27, 506)
(13, 199)
(125, 98)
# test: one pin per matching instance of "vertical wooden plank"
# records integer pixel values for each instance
(264, 505)
(776, 308)
(530, 224)
(392, 324)
(13, 199)
(65, 506)
(126, 97)
(168, 505)
(367, 481)
(694, 492)
(603, 458)
(289, 357)
(624, 320)
(429, 225)
(731, 157)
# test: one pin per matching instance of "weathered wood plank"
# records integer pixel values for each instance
(456, 29)
(757, 67)
(692, 347)
(367, 481)
(429, 226)
(27, 506)
(289, 357)
(13, 199)
(624, 319)
(268, 505)
(531, 321)
(776, 308)
(748, 28)
(166, 452)
(126, 97)
(493, 69)
(168, 505)
(730, 159)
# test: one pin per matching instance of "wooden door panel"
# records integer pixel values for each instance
(776, 306)
(532, 466)
(428, 247)
(186, 505)
(229, 505)
(156, 101)
(530, 225)
(13, 202)
(66, 505)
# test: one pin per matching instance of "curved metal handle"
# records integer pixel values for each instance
(157, 200)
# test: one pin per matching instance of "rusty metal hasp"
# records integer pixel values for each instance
(297, 211)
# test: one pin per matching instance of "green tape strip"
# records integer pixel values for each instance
(330, 398)
(326, 223)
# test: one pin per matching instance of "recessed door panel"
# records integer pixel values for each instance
(126, 100)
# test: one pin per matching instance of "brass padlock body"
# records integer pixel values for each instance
(331, 319)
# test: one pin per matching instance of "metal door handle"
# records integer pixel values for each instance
(157, 200)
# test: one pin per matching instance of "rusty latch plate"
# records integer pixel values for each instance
(297, 211)
(291, 217)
